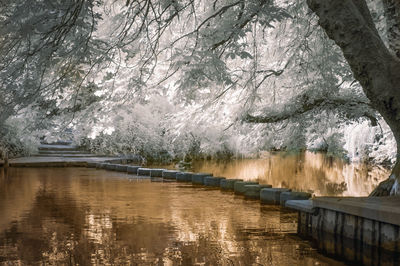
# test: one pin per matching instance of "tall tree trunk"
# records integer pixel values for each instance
(392, 15)
(349, 24)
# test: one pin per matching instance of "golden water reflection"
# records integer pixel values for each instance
(312, 172)
(84, 216)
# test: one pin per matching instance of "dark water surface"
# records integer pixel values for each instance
(70, 216)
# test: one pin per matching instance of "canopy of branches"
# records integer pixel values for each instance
(180, 76)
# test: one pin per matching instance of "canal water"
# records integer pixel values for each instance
(71, 216)
(80, 216)
(309, 172)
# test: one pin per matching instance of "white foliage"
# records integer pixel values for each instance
(263, 68)
(366, 142)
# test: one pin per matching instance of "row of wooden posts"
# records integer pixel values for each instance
(252, 190)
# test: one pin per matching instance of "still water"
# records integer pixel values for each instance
(310, 172)
(79, 216)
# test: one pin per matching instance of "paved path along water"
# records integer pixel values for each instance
(56, 155)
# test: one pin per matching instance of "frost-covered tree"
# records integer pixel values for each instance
(43, 47)
(268, 59)
(374, 65)
(47, 53)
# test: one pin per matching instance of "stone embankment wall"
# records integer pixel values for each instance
(363, 229)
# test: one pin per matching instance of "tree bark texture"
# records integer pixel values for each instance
(349, 24)
(392, 15)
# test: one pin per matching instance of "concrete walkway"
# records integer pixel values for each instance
(382, 209)
(57, 155)
(56, 161)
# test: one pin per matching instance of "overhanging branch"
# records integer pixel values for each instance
(350, 108)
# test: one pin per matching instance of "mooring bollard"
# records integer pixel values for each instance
(144, 171)
(132, 169)
(238, 187)
(228, 184)
(156, 172)
(198, 178)
(253, 191)
(213, 181)
(184, 176)
(294, 195)
(121, 168)
(272, 195)
(111, 166)
(169, 174)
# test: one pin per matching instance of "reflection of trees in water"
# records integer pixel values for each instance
(333, 189)
(47, 233)
(59, 231)
(307, 171)
(16, 195)
(106, 220)
(355, 252)
(4, 172)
